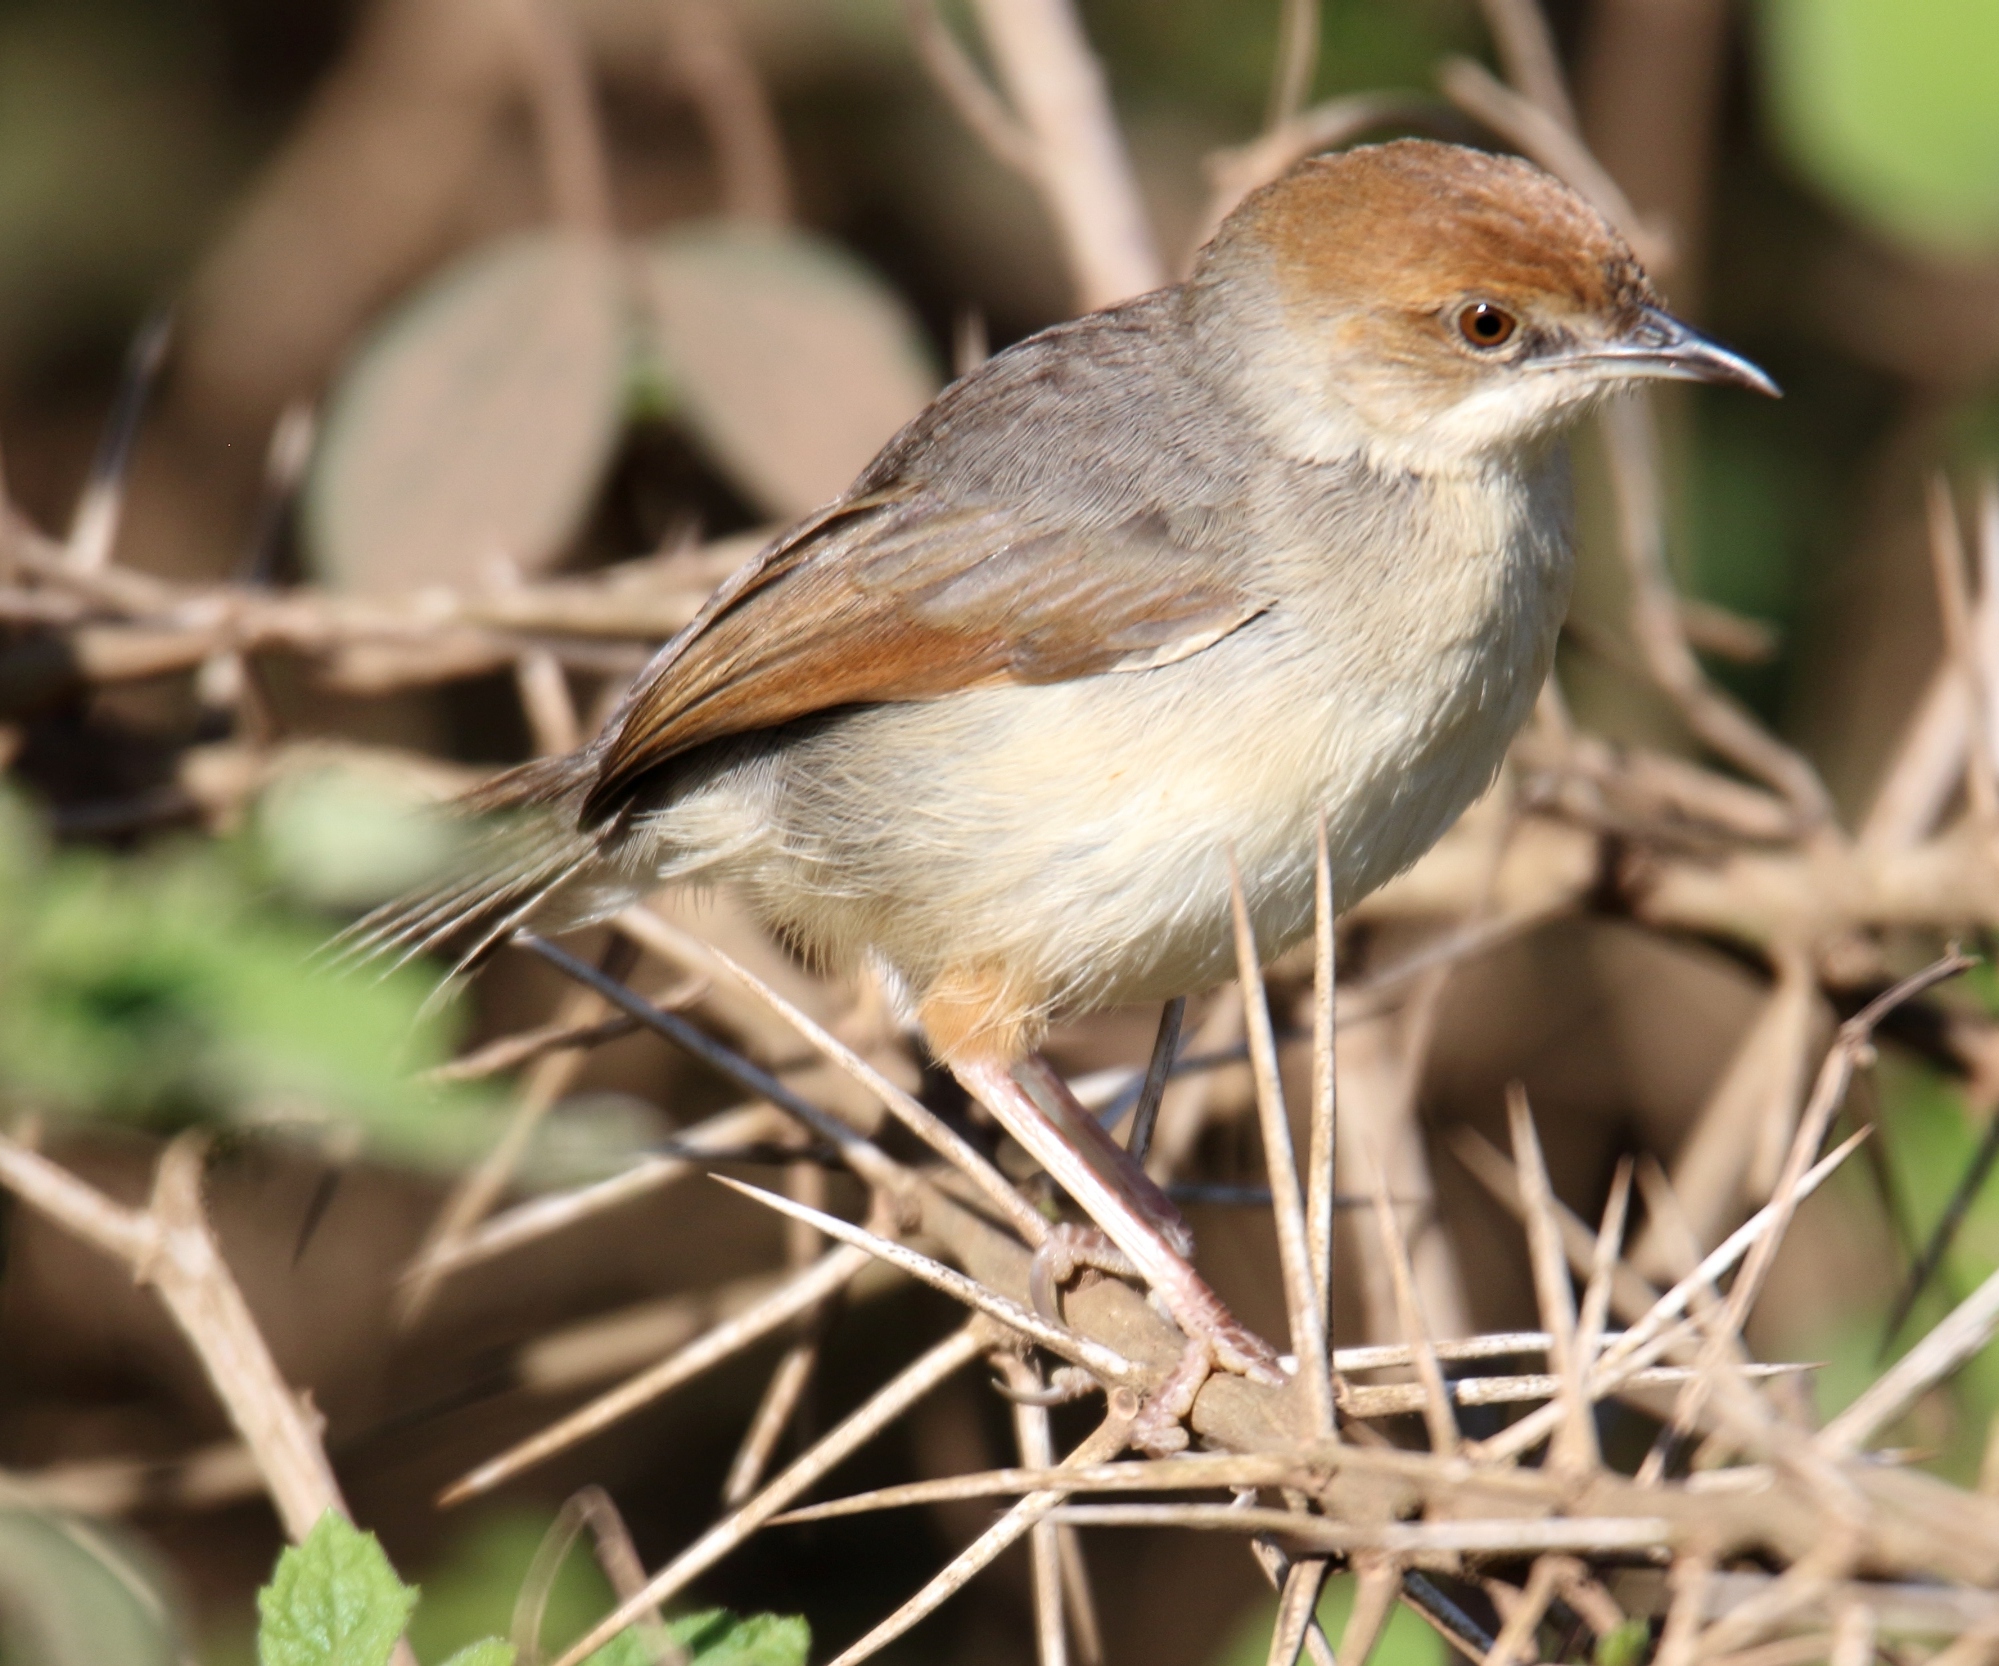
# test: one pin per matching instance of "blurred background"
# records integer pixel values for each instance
(387, 368)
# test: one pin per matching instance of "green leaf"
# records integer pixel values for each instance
(790, 362)
(166, 990)
(476, 424)
(632, 1647)
(1626, 1645)
(715, 1637)
(489, 1651)
(333, 1601)
(1892, 108)
(719, 1638)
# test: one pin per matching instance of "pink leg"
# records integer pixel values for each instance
(1118, 1167)
(1134, 1214)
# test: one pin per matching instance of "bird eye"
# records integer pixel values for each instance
(1485, 325)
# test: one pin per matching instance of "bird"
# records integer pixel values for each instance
(1149, 597)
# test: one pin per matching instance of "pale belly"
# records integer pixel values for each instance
(1079, 835)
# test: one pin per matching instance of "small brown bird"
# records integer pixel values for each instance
(1151, 588)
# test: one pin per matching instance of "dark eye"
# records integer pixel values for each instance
(1485, 325)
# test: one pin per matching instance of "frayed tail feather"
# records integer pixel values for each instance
(512, 869)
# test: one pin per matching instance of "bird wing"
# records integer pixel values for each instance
(894, 595)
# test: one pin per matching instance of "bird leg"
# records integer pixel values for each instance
(1138, 1218)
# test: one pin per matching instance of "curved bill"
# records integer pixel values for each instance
(1660, 345)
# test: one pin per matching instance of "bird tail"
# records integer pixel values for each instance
(525, 856)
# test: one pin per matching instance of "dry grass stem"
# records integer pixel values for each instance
(1108, 1439)
(171, 1248)
(1854, 1042)
(1304, 1303)
(706, 58)
(1494, 1537)
(1679, 1641)
(862, 1155)
(785, 1393)
(1853, 1637)
(1964, 1332)
(1102, 1362)
(1515, 1638)
(512, 1051)
(917, 1118)
(778, 1309)
(1927, 764)
(591, 1510)
(1322, 1147)
(1603, 1267)
(1645, 1339)
(884, 1407)
(1631, 435)
(1527, 50)
(574, 167)
(1054, 82)
(1296, 63)
(541, 1216)
(1036, 1445)
(1961, 642)
(546, 703)
(1297, 1610)
(1574, 1450)
(1437, 1415)
(1630, 1293)
(1276, 1568)
(971, 95)
(1079, 1600)
(479, 1188)
(781, 1398)
(224, 1472)
(93, 529)
(1378, 1583)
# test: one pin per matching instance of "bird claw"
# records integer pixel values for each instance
(1071, 1382)
(1159, 1430)
(1066, 1251)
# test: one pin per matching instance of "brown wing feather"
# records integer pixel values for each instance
(892, 597)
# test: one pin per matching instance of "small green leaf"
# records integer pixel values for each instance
(488, 1651)
(333, 1601)
(1626, 1645)
(719, 1638)
(634, 1647)
(715, 1637)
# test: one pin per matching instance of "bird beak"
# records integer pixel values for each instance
(1660, 345)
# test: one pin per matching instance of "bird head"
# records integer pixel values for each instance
(1434, 305)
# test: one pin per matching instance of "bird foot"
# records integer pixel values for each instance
(1067, 1250)
(1138, 1219)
